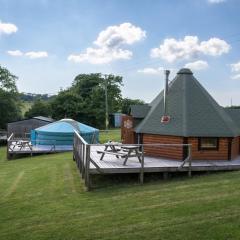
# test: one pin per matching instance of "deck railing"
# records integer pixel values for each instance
(81, 154)
(8, 145)
(82, 157)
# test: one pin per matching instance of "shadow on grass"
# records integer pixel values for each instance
(3, 143)
(24, 156)
(127, 180)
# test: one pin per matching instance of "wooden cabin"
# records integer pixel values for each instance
(184, 113)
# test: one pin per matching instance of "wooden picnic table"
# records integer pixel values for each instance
(121, 151)
(25, 144)
(130, 150)
(109, 148)
(22, 144)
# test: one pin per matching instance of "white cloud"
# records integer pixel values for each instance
(15, 53)
(114, 36)
(235, 67)
(7, 28)
(197, 65)
(190, 47)
(150, 70)
(216, 1)
(237, 76)
(100, 55)
(214, 47)
(31, 54)
(39, 54)
(109, 44)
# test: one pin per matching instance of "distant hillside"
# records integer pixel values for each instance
(25, 106)
(27, 100)
(31, 97)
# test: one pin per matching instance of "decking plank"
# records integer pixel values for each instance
(38, 149)
(112, 164)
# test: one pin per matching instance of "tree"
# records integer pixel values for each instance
(9, 99)
(127, 102)
(66, 105)
(85, 99)
(7, 81)
(39, 108)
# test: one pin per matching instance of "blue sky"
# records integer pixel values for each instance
(47, 43)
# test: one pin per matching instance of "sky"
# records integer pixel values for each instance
(46, 43)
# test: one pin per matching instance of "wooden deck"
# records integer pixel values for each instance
(18, 146)
(37, 149)
(112, 164)
(87, 158)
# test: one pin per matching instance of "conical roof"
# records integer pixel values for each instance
(234, 113)
(192, 110)
(66, 126)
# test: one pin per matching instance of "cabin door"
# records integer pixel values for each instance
(127, 131)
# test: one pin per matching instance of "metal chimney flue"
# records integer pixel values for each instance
(165, 117)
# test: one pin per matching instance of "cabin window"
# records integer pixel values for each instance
(205, 143)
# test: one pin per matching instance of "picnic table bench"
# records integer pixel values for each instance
(123, 152)
(21, 144)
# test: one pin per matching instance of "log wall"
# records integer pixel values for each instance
(221, 153)
(229, 148)
(175, 152)
(235, 147)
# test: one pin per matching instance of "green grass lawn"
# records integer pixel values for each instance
(43, 198)
(112, 135)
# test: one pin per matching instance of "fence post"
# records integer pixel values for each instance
(74, 144)
(73, 158)
(87, 175)
(142, 166)
(80, 156)
(84, 161)
(9, 142)
(81, 166)
(79, 153)
(189, 160)
(8, 154)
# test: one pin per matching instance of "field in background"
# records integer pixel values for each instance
(43, 198)
(25, 106)
(111, 135)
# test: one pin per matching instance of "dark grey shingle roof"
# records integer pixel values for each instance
(234, 113)
(41, 118)
(139, 111)
(46, 119)
(192, 110)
